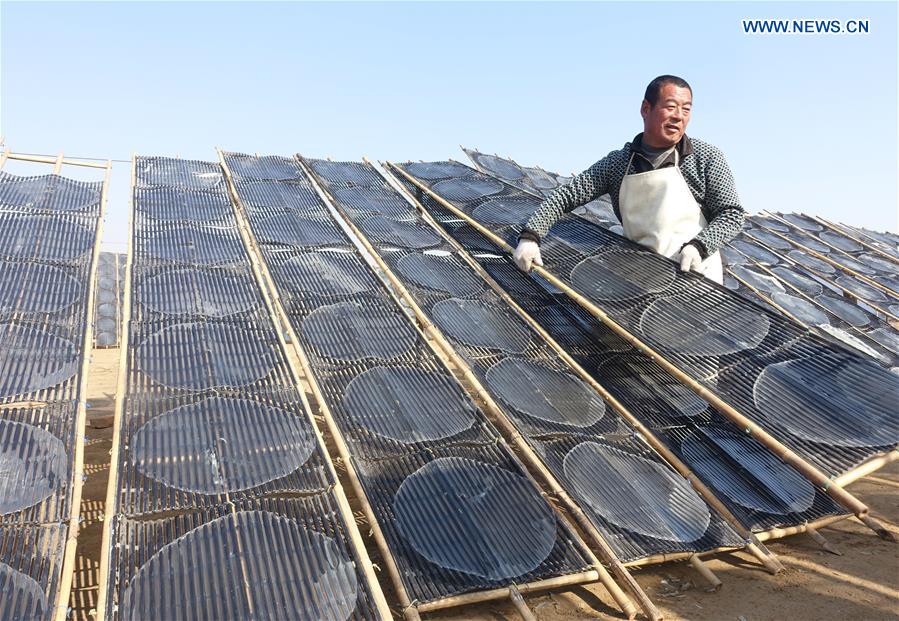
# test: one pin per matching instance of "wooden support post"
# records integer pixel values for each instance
(818, 478)
(57, 165)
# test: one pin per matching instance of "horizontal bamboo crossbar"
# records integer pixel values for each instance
(869, 467)
(55, 161)
(503, 593)
(777, 533)
(818, 478)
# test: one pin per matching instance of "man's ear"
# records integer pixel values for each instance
(645, 107)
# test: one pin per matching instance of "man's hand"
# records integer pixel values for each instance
(689, 258)
(527, 254)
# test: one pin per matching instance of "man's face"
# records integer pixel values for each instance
(664, 124)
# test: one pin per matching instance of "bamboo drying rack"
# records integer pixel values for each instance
(272, 305)
(818, 478)
(862, 470)
(446, 350)
(411, 609)
(61, 606)
(765, 556)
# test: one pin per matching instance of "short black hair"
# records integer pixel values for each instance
(655, 87)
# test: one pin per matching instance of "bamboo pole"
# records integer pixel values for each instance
(503, 593)
(814, 475)
(3, 157)
(790, 261)
(69, 558)
(826, 258)
(111, 506)
(869, 467)
(777, 533)
(767, 558)
(842, 231)
(671, 557)
(52, 160)
(873, 240)
(500, 417)
(276, 313)
(446, 602)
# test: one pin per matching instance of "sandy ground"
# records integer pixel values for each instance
(862, 584)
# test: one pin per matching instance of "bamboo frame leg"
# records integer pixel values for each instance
(822, 541)
(705, 572)
(520, 605)
(815, 476)
(878, 528)
(767, 558)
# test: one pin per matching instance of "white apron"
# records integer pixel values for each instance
(658, 211)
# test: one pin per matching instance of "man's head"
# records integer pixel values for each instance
(666, 111)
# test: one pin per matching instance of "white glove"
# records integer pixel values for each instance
(689, 259)
(527, 254)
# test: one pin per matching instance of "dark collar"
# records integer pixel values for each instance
(684, 147)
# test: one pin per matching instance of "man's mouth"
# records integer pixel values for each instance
(673, 128)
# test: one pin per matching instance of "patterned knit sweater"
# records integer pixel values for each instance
(703, 166)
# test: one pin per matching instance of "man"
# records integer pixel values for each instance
(673, 194)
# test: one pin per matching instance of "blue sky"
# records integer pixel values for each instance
(807, 122)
